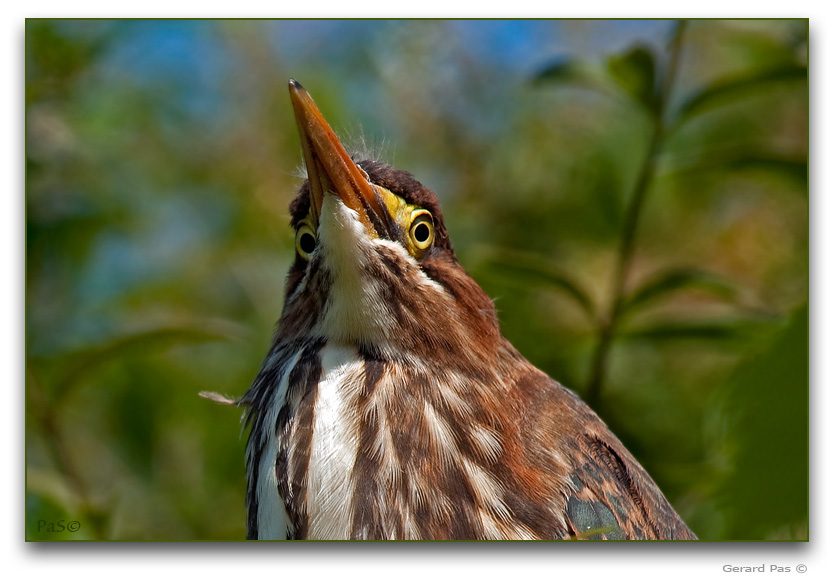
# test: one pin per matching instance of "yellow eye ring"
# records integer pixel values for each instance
(421, 230)
(305, 241)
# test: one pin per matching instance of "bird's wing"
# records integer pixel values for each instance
(608, 494)
(613, 498)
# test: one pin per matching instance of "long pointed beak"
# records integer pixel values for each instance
(329, 167)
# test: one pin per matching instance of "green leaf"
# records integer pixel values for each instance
(793, 168)
(718, 330)
(632, 74)
(46, 519)
(535, 272)
(735, 87)
(635, 73)
(764, 493)
(674, 280)
(86, 361)
(796, 169)
(565, 71)
(52, 485)
(575, 73)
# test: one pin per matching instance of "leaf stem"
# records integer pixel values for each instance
(607, 328)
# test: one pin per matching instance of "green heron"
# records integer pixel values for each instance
(390, 406)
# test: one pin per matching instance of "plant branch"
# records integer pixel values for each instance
(608, 324)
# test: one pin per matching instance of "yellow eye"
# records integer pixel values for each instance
(305, 241)
(421, 230)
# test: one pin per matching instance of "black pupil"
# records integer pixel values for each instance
(307, 243)
(421, 232)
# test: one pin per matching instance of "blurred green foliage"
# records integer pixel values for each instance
(640, 216)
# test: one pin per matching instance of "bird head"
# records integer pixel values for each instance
(374, 266)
